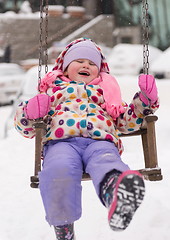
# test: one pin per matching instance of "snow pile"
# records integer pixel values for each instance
(56, 7)
(162, 63)
(25, 7)
(75, 9)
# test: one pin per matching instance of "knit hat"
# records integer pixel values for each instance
(82, 50)
(60, 59)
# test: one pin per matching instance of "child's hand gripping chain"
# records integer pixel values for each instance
(37, 106)
(147, 84)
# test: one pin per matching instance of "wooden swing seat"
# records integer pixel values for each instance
(151, 171)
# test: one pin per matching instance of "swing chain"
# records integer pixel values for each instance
(41, 39)
(40, 42)
(46, 36)
(145, 37)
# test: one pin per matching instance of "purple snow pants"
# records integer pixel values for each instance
(60, 179)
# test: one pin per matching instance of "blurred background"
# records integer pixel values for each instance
(120, 21)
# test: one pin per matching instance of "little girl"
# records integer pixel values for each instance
(87, 114)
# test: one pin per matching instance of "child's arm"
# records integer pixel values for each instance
(37, 107)
(145, 102)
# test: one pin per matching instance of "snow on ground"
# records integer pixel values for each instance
(22, 213)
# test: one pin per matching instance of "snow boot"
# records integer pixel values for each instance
(122, 194)
(65, 232)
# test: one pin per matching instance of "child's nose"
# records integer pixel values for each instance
(86, 64)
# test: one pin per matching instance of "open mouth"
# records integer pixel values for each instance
(84, 73)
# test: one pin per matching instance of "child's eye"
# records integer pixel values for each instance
(79, 61)
(91, 63)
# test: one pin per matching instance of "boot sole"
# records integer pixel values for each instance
(128, 195)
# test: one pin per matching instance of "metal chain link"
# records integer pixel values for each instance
(40, 43)
(145, 37)
(46, 37)
(41, 27)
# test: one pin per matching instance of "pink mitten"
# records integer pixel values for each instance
(149, 93)
(38, 106)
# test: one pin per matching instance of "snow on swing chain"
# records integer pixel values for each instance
(145, 37)
(41, 39)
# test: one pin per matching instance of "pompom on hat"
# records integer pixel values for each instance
(82, 48)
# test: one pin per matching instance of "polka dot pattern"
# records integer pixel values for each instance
(70, 122)
(70, 90)
(76, 111)
(59, 132)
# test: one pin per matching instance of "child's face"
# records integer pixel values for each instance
(82, 70)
